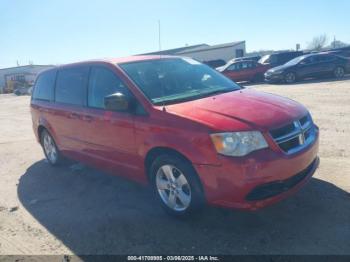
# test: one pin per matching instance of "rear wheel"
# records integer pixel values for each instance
(51, 151)
(339, 72)
(290, 78)
(258, 78)
(176, 185)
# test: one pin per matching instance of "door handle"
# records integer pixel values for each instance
(88, 118)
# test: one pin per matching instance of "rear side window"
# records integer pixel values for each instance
(326, 58)
(273, 59)
(44, 86)
(103, 82)
(235, 67)
(247, 65)
(71, 85)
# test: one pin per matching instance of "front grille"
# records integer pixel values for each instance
(277, 187)
(304, 120)
(295, 136)
(283, 130)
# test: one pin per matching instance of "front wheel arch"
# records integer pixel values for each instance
(198, 199)
(152, 155)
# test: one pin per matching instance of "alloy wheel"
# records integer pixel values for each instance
(173, 188)
(339, 72)
(50, 148)
(290, 78)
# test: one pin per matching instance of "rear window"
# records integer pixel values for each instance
(71, 85)
(44, 86)
(326, 58)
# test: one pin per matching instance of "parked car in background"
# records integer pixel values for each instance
(192, 134)
(246, 58)
(215, 63)
(280, 58)
(312, 65)
(343, 53)
(244, 71)
(23, 91)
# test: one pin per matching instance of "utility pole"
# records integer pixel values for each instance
(159, 39)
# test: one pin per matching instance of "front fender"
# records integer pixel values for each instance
(197, 148)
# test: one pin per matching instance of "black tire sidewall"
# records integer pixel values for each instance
(197, 196)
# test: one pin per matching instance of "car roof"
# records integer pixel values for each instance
(319, 54)
(241, 61)
(121, 60)
(139, 58)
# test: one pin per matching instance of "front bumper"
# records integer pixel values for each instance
(259, 179)
(273, 78)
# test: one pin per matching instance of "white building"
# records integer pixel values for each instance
(207, 53)
(224, 52)
(20, 76)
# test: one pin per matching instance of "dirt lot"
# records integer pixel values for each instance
(45, 210)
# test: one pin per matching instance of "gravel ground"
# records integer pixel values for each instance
(79, 210)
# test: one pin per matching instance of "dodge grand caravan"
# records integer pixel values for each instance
(191, 133)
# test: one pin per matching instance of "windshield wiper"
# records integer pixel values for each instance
(197, 96)
(216, 92)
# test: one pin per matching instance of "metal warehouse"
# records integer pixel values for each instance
(207, 53)
(17, 77)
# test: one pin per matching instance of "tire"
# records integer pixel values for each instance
(176, 185)
(339, 72)
(290, 77)
(51, 151)
(258, 78)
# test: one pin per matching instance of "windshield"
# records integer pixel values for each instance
(264, 59)
(269, 59)
(175, 80)
(295, 60)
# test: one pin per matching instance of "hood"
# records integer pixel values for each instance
(240, 110)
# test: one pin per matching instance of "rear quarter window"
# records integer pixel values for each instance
(44, 86)
(71, 85)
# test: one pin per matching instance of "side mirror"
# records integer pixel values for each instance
(117, 102)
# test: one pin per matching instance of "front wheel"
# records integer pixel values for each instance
(339, 72)
(290, 78)
(176, 185)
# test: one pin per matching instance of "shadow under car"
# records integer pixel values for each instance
(95, 213)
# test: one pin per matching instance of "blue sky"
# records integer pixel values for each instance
(62, 31)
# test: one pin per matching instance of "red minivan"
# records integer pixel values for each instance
(191, 133)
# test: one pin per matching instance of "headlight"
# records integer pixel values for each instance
(238, 143)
